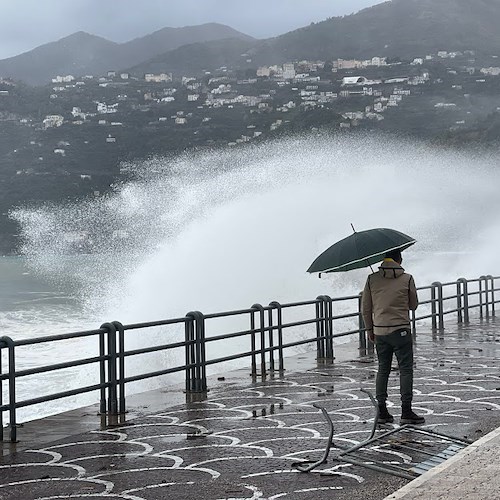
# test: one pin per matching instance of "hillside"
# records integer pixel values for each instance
(399, 28)
(396, 29)
(82, 53)
(79, 53)
(195, 58)
(167, 39)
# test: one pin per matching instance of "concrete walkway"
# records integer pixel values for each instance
(242, 441)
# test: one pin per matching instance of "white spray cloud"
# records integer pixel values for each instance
(221, 230)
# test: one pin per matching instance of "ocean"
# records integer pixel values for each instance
(223, 229)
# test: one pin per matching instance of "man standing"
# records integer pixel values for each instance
(388, 297)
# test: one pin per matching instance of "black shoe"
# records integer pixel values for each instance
(384, 417)
(410, 417)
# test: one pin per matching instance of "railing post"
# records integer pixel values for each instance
(260, 308)
(460, 318)
(492, 290)
(202, 353)
(112, 374)
(437, 286)
(9, 343)
(253, 345)
(189, 352)
(329, 327)
(279, 327)
(465, 298)
(481, 305)
(361, 326)
(320, 327)
(121, 367)
(271, 339)
(102, 371)
(483, 291)
(198, 382)
(1, 392)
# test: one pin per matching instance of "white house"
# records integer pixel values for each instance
(263, 71)
(162, 77)
(53, 121)
(288, 71)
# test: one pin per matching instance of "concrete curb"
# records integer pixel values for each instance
(439, 469)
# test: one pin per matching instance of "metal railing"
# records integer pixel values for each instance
(268, 330)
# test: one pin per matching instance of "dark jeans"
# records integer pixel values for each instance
(400, 343)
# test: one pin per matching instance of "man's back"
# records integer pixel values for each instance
(388, 296)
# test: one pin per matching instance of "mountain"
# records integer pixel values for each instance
(82, 53)
(195, 58)
(76, 54)
(167, 39)
(397, 28)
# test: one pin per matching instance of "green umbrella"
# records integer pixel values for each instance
(360, 250)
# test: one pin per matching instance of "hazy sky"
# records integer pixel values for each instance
(25, 24)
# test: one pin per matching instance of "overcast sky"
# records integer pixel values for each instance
(26, 24)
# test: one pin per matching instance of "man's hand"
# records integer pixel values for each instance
(371, 336)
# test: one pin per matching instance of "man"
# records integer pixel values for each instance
(388, 297)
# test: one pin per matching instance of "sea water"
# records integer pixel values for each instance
(223, 229)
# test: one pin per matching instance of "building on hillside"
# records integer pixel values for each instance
(63, 79)
(162, 77)
(493, 71)
(288, 71)
(53, 121)
(358, 80)
(264, 71)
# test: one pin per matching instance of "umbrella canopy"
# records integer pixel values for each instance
(360, 250)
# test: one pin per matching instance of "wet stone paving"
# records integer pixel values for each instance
(242, 441)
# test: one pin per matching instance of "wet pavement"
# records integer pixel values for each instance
(242, 441)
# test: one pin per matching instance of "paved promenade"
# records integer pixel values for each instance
(242, 441)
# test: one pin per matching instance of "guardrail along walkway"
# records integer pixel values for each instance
(241, 441)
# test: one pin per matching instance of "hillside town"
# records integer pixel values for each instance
(79, 134)
(271, 98)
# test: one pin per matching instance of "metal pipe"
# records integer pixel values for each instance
(307, 468)
(112, 373)
(271, 339)
(329, 328)
(7, 341)
(2, 345)
(279, 312)
(481, 305)
(102, 371)
(320, 327)
(202, 354)
(253, 344)
(121, 367)
(188, 328)
(260, 308)
(492, 280)
(440, 311)
(361, 324)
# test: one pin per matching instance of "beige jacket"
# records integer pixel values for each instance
(388, 297)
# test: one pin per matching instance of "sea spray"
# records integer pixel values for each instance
(223, 229)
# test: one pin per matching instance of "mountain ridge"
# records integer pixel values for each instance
(394, 29)
(82, 53)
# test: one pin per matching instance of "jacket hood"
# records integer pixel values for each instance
(390, 269)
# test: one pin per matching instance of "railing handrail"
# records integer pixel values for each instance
(266, 328)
